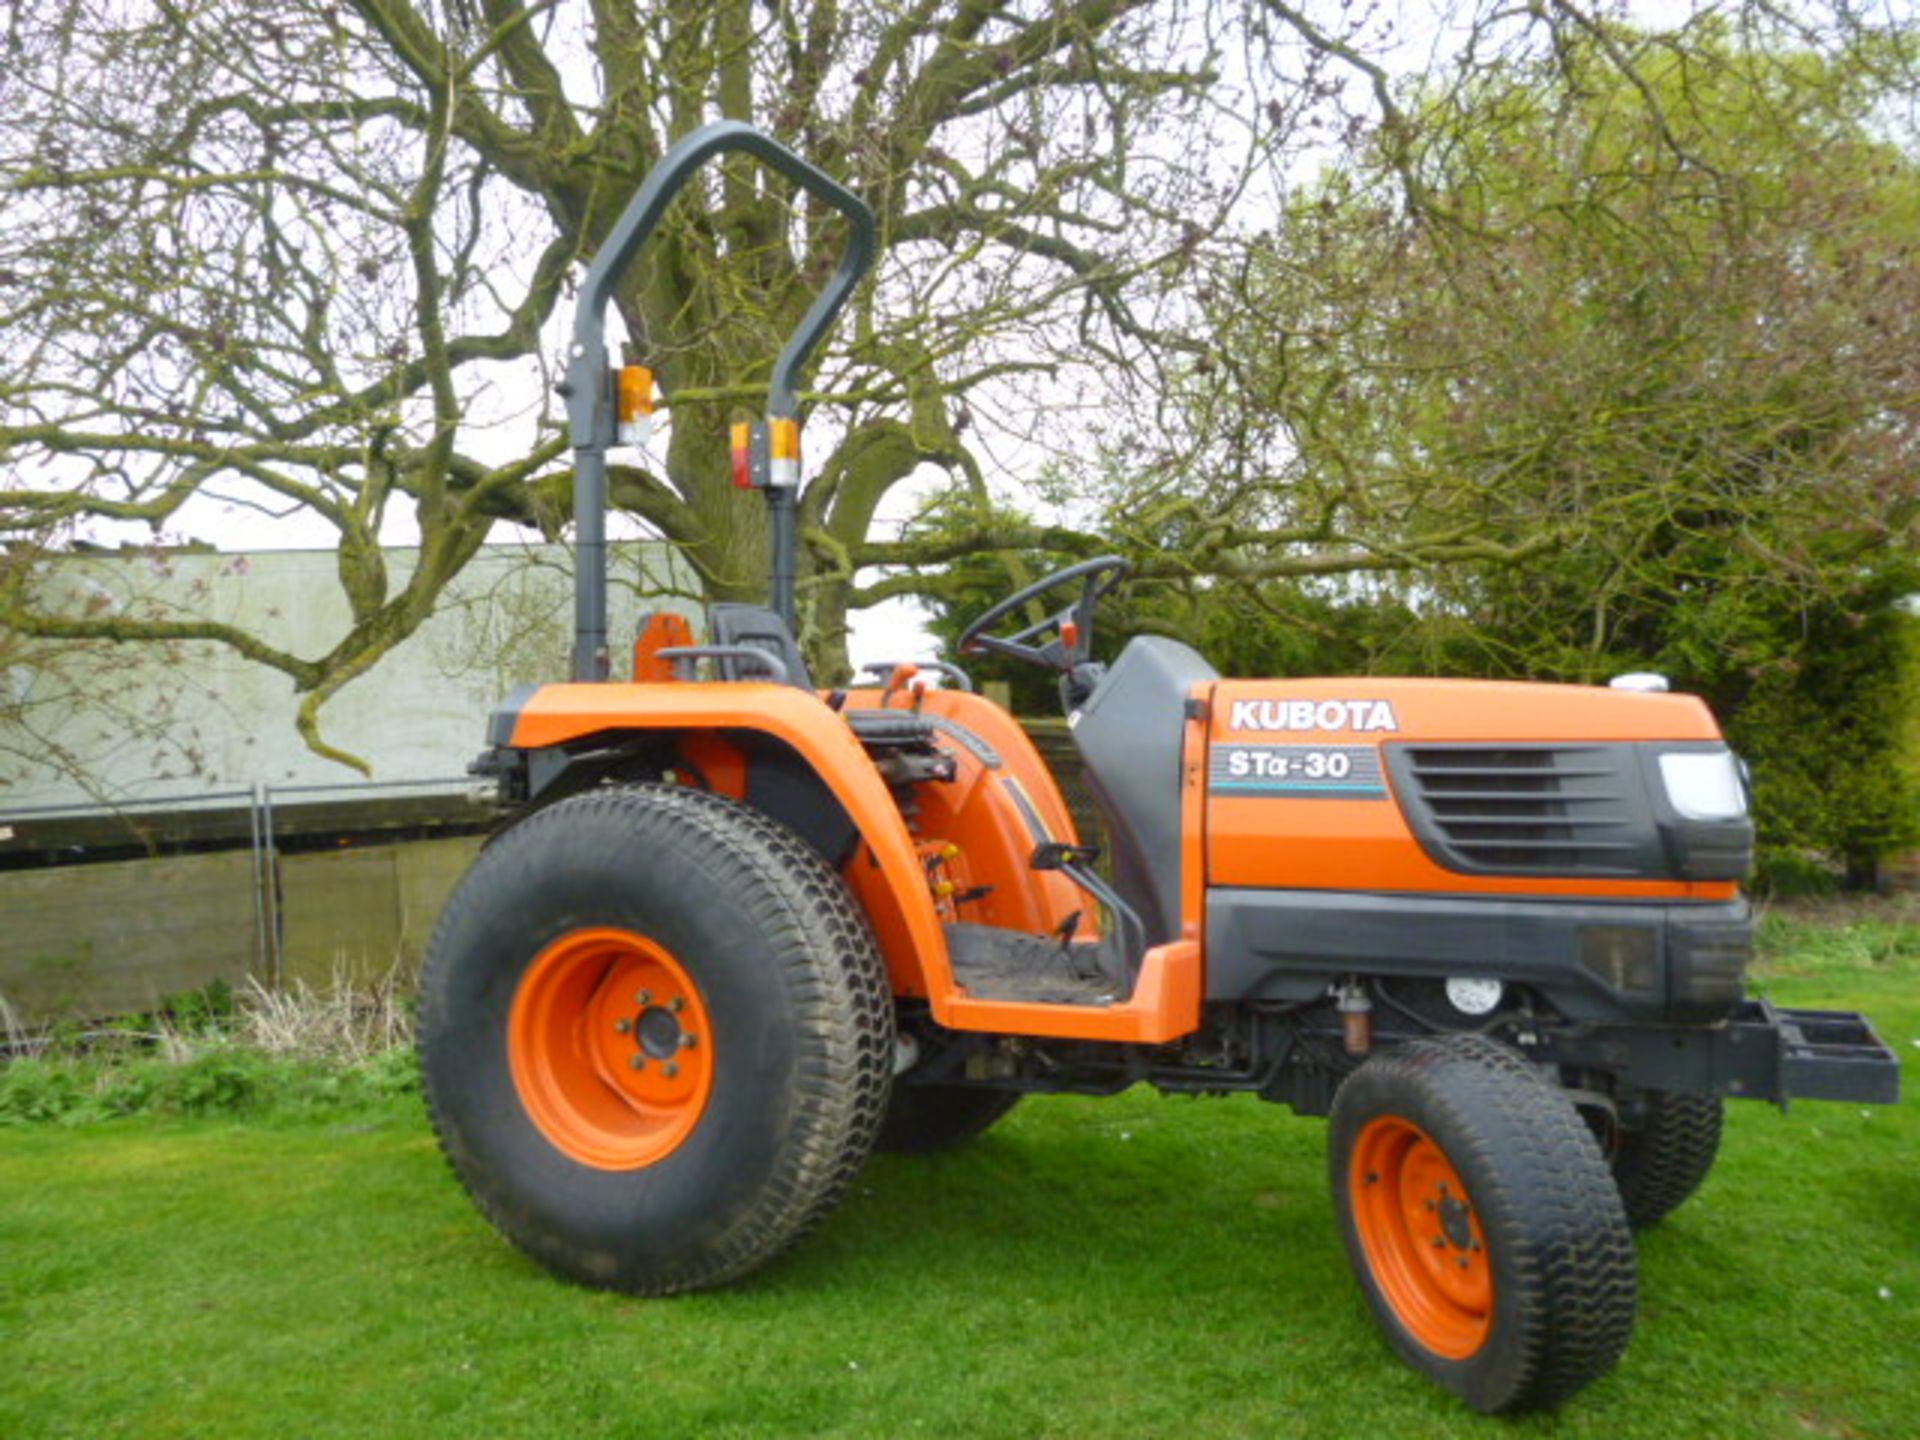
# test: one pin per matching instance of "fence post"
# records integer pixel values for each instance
(276, 928)
(269, 940)
(261, 954)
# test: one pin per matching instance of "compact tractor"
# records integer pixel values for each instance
(741, 930)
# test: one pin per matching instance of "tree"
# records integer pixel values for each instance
(278, 256)
(305, 257)
(1662, 319)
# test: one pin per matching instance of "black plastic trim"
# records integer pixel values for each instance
(1291, 944)
(506, 715)
(1492, 808)
(960, 735)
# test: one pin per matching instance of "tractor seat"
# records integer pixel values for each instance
(759, 627)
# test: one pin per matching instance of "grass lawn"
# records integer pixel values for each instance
(1132, 1267)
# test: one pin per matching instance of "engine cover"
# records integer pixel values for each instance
(1460, 787)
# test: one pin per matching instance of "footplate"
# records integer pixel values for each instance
(995, 964)
(1761, 1052)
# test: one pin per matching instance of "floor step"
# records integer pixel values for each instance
(997, 964)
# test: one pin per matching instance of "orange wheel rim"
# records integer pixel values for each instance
(610, 1048)
(1421, 1234)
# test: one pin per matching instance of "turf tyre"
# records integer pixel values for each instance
(1560, 1297)
(1662, 1162)
(924, 1118)
(801, 1048)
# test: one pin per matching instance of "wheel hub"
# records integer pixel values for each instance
(659, 1032)
(607, 1040)
(1454, 1223)
(1421, 1237)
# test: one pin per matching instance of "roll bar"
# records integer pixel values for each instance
(589, 388)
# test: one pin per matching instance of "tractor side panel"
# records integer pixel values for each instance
(1300, 795)
(977, 834)
(885, 870)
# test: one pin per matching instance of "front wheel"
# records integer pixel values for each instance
(1482, 1222)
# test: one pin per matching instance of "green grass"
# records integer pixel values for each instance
(1131, 1267)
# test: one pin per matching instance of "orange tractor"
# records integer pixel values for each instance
(742, 930)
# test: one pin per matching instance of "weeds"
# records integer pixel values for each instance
(1855, 933)
(344, 1023)
(217, 1052)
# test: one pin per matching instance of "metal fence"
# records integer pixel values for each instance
(274, 883)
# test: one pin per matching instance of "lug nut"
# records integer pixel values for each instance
(688, 1040)
(1439, 1242)
(645, 997)
(638, 1062)
(676, 1004)
(669, 1069)
(1463, 1262)
(623, 1025)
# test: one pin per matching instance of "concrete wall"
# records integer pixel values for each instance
(360, 912)
(91, 940)
(138, 723)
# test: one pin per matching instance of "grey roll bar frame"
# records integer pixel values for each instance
(589, 392)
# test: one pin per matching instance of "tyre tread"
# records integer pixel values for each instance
(1661, 1164)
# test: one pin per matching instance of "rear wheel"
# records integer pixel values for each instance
(656, 1038)
(1659, 1164)
(1482, 1223)
(922, 1118)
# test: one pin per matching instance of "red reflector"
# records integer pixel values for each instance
(742, 457)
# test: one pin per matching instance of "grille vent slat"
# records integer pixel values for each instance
(1493, 797)
(1565, 822)
(1516, 772)
(1539, 810)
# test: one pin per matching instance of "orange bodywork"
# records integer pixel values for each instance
(964, 853)
(971, 836)
(988, 816)
(896, 899)
(662, 630)
(1323, 843)
(980, 814)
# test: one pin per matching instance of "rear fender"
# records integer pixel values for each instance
(883, 868)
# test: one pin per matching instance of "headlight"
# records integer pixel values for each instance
(1704, 786)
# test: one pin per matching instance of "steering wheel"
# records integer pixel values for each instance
(1074, 643)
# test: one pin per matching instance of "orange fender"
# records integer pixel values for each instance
(900, 907)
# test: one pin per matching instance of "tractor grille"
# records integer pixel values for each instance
(1528, 809)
